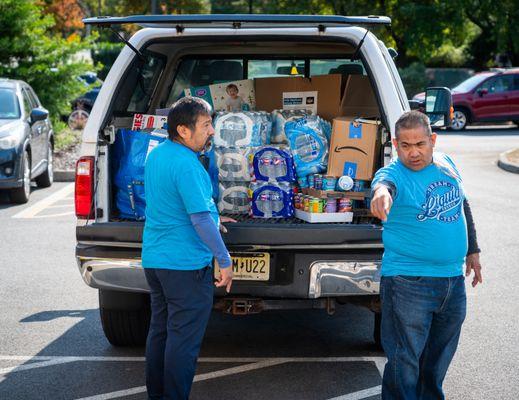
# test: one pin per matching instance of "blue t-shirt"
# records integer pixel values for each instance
(425, 233)
(176, 186)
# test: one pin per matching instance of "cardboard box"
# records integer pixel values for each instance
(218, 97)
(358, 100)
(324, 217)
(354, 148)
(147, 121)
(269, 93)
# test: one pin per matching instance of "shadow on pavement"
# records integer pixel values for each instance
(310, 333)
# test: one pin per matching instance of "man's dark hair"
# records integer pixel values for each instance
(186, 112)
(413, 119)
(231, 86)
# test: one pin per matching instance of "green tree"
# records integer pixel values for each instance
(31, 52)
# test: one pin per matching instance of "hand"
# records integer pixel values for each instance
(472, 264)
(225, 278)
(381, 203)
(223, 219)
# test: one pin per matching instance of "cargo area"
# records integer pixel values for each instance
(299, 136)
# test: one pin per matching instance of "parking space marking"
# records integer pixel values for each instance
(32, 211)
(361, 394)
(252, 363)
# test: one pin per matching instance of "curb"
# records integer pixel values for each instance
(64, 176)
(507, 165)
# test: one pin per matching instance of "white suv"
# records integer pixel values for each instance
(309, 265)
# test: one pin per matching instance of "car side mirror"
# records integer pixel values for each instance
(38, 114)
(481, 92)
(438, 106)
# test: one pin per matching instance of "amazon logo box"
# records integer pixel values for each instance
(354, 148)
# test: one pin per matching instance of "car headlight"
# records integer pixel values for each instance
(8, 142)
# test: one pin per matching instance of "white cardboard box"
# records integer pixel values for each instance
(324, 217)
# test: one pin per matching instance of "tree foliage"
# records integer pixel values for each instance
(30, 51)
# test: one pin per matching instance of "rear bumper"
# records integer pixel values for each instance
(294, 275)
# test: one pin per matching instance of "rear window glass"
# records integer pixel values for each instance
(194, 73)
(9, 106)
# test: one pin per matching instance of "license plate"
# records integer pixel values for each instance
(248, 267)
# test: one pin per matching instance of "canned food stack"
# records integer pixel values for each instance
(331, 204)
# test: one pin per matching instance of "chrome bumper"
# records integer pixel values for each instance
(343, 278)
(113, 274)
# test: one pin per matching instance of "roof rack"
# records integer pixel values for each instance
(238, 21)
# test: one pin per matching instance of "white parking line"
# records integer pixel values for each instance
(361, 394)
(42, 204)
(253, 363)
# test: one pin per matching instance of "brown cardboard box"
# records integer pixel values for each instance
(354, 148)
(269, 92)
(359, 99)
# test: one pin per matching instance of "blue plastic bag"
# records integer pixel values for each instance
(131, 149)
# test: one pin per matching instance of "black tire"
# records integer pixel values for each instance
(377, 323)
(47, 178)
(460, 120)
(21, 195)
(125, 317)
(516, 122)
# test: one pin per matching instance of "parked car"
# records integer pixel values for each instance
(82, 105)
(26, 140)
(301, 264)
(489, 96)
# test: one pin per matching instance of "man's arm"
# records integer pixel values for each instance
(382, 199)
(208, 232)
(472, 262)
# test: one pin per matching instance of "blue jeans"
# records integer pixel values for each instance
(181, 303)
(421, 325)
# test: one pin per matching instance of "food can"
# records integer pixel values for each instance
(303, 182)
(311, 180)
(345, 183)
(331, 205)
(329, 183)
(359, 186)
(318, 182)
(314, 205)
(297, 200)
(306, 203)
(344, 204)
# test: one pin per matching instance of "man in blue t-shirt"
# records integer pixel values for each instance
(428, 235)
(181, 237)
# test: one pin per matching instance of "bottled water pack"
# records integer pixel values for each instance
(279, 119)
(233, 163)
(308, 144)
(241, 129)
(233, 197)
(273, 163)
(272, 200)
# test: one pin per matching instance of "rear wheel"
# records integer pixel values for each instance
(516, 122)
(125, 317)
(46, 179)
(21, 195)
(459, 120)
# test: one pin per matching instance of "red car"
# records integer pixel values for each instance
(485, 97)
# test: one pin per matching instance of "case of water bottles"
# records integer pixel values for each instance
(242, 129)
(234, 163)
(233, 197)
(309, 144)
(273, 163)
(271, 200)
(279, 119)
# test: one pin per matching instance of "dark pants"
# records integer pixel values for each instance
(181, 303)
(421, 324)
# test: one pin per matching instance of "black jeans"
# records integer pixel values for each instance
(181, 303)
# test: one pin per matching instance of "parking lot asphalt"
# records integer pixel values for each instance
(52, 345)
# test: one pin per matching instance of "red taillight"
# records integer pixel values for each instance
(84, 193)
